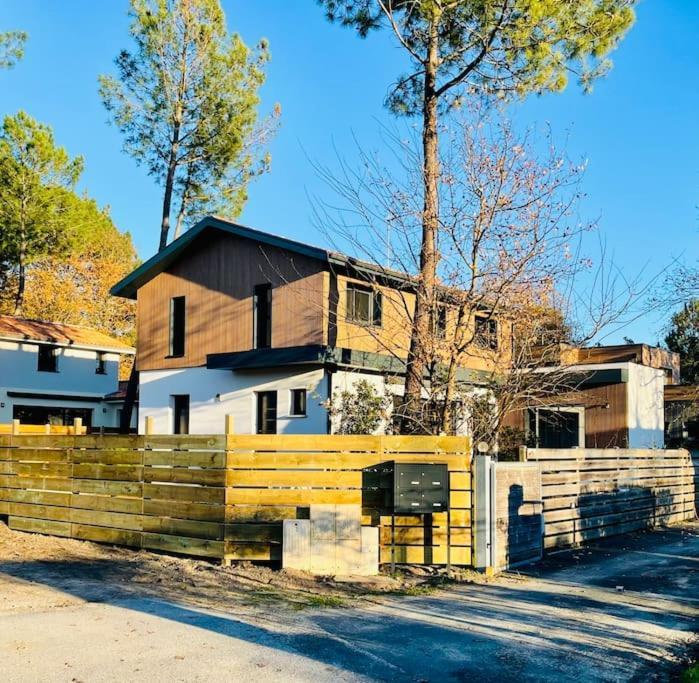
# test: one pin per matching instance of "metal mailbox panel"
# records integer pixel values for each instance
(420, 488)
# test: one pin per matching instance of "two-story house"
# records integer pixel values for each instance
(54, 373)
(236, 321)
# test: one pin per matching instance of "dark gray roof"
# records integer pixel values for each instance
(129, 285)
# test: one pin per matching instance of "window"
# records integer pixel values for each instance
(48, 359)
(555, 427)
(298, 403)
(180, 410)
(440, 321)
(41, 415)
(267, 412)
(486, 332)
(363, 306)
(262, 316)
(177, 326)
(101, 367)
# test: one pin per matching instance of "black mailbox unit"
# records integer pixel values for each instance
(415, 488)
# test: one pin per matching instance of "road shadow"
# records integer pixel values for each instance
(559, 625)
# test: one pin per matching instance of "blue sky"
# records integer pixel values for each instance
(638, 129)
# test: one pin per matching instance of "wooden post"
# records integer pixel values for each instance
(229, 430)
(47, 428)
(230, 424)
(149, 424)
(15, 427)
(523, 454)
(78, 426)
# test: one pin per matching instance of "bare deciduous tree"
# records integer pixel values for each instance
(513, 284)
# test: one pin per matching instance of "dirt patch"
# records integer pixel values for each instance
(94, 572)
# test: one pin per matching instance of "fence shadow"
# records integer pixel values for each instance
(524, 531)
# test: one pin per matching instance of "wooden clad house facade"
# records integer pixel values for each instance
(236, 321)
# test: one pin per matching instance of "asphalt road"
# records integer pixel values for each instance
(623, 611)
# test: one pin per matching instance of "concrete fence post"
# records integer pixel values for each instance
(149, 425)
(483, 552)
(523, 454)
(15, 427)
(78, 426)
(47, 428)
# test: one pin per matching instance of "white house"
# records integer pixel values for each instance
(54, 373)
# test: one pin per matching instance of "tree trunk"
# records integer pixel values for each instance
(21, 274)
(450, 384)
(425, 295)
(184, 200)
(167, 199)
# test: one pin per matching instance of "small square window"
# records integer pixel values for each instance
(364, 306)
(101, 367)
(298, 403)
(48, 359)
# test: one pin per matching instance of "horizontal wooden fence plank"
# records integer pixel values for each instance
(593, 493)
(219, 496)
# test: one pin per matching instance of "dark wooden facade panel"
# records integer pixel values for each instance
(217, 277)
(606, 422)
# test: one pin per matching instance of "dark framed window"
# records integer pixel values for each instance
(298, 403)
(177, 326)
(486, 334)
(48, 358)
(262, 316)
(180, 410)
(440, 321)
(552, 428)
(364, 305)
(101, 367)
(41, 415)
(266, 412)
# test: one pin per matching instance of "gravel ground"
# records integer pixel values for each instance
(627, 610)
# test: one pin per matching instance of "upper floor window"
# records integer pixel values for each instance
(48, 358)
(101, 367)
(440, 321)
(486, 334)
(177, 326)
(262, 316)
(363, 305)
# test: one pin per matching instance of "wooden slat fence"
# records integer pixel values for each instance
(592, 493)
(219, 496)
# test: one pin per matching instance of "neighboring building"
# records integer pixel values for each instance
(617, 400)
(682, 416)
(53, 373)
(237, 321)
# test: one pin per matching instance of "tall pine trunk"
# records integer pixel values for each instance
(418, 359)
(167, 197)
(21, 263)
(21, 284)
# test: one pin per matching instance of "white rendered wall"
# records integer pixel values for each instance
(76, 375)
(345, 380)
(236, 392)
(645, 406)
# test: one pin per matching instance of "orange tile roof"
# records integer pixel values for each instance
(58, 333)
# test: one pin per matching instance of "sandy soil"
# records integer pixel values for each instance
(194, 581)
